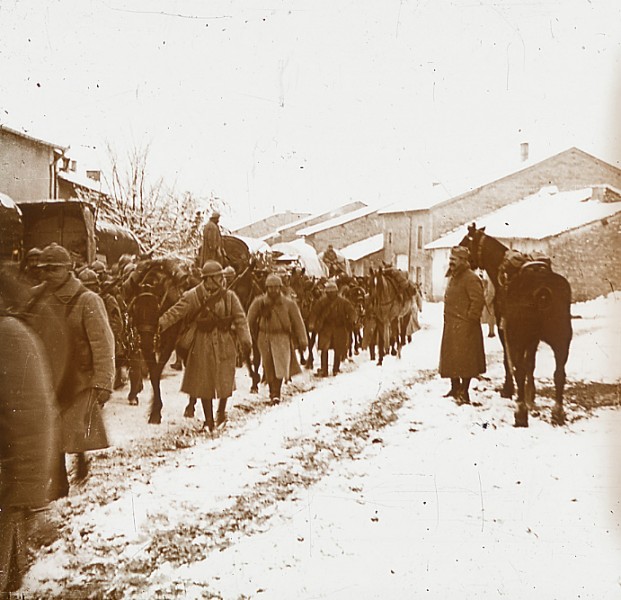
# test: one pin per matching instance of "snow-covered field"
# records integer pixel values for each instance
(370, 484)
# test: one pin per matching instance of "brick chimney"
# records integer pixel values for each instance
(524, 151)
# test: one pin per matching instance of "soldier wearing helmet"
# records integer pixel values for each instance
(212, 241)
(333, 318)
(219, 321)
(72, 323)
(277, 326)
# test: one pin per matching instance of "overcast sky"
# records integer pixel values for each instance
(304, 105)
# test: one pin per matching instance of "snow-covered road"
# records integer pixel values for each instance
(366, 485)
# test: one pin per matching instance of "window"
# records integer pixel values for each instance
(390, 237)
(419, 242)
(402, 262)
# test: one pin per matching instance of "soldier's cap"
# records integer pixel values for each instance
(211, 268)
(215, 215)
(273, 281)
(331, 287)
(54, 256)
(460, 252)
(88, 277)
(98, 266)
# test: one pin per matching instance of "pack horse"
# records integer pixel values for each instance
(532, 305)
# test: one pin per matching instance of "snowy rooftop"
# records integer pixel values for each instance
(336, 221)
(84, 181)
(421, 199)
(30, 135)
(542, 215)
(363, 248)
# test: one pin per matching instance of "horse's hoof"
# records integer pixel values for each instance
(176, 366)
(504, 393)
(188, 413)
(558, 416)
(132, 401)
(155, 419)
(521, 418)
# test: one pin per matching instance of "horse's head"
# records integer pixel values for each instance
(473, 240)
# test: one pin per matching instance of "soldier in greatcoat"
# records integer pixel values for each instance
(462, 355)
(219, 320)
(29, 437)
(276, 323)
(73, 325)
(212, 241)
(333, 318)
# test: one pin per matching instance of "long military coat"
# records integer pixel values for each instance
(334, 319)
(462, 353)
(210, 367)
(88, 341)
(279, 330)
(29, 420)
(212, 243)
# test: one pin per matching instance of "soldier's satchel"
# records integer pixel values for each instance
(186, 337)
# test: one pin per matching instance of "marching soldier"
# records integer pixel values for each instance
(218, 318)
(334, 320)
(72, 323)
(277, 325)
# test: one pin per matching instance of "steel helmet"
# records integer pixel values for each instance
(98, 266)
(34, 252)
(273, 281)
(211, 268)
(55, 255)
(88, 277)
(331, 287)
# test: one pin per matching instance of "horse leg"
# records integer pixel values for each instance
(311, 342)
(134, 372)
(529, 383)
(560, 357)
(380, 344)
(507, 388)
(519, 365)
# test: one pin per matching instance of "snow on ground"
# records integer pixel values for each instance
(308, 500)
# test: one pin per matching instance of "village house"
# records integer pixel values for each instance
(343, 230)
(289, 232)
(29, 166)
(580, 230)
(265, 226)
(364, 254)
(410, 225)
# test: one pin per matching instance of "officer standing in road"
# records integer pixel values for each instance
(462, 355)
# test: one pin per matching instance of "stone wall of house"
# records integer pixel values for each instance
(407, 234)
(25, 168)
(361, 267)
(568, 170)
(589, 257)
(347, 233)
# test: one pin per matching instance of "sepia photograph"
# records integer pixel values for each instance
(310, 300)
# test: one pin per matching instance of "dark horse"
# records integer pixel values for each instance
(154, 287)
(532, 305)
(385, 306)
